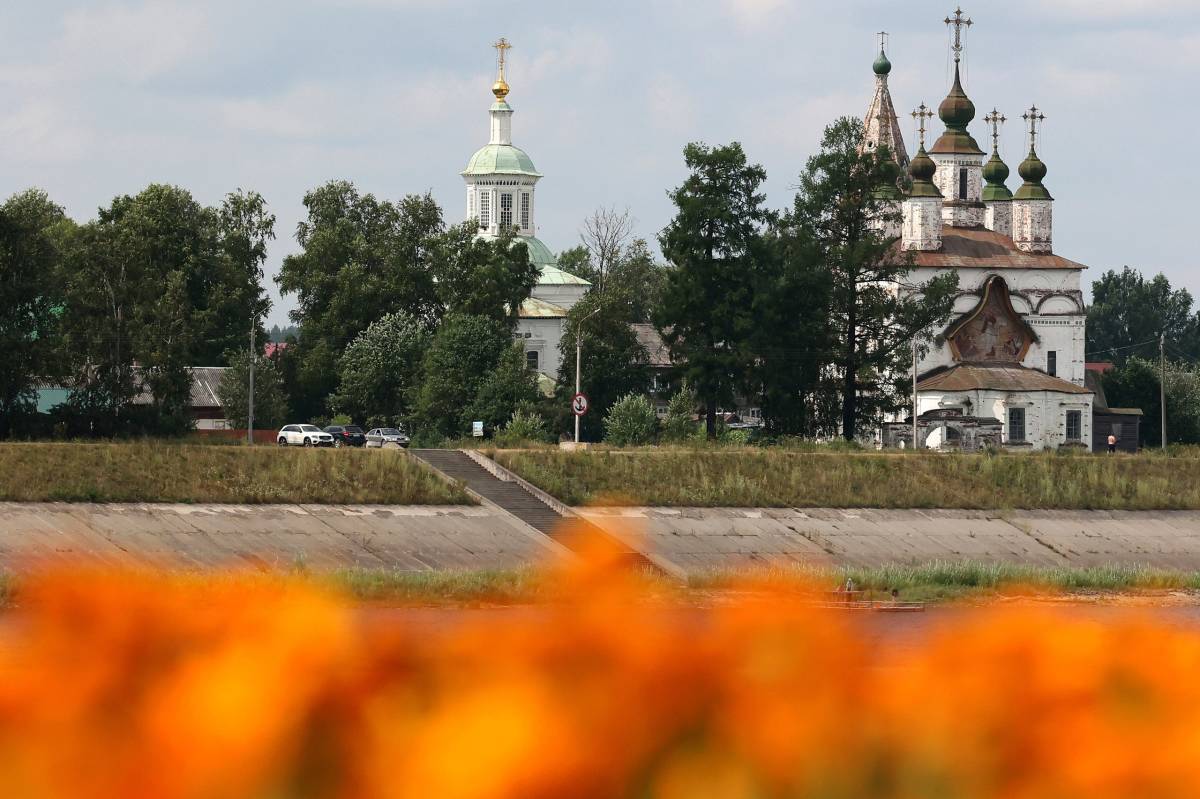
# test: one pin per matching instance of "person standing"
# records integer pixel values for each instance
(1112, 443)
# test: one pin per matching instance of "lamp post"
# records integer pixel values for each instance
(578, 361)
(250, 396)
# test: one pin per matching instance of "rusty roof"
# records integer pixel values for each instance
(534, 308)
(997, 377)
(656, 349)
(964, 248)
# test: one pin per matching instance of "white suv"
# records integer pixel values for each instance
(304, 435)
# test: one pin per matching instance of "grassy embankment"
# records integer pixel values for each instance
(781, 478)
(174, 472)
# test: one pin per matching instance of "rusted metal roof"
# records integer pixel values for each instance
(656, 348)
(979, 248)
(997, 377)
(533, 308)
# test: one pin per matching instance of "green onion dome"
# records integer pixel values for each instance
(996, 172)
(922, 169)
(957, 111)
(882, 66)
(1033, 171)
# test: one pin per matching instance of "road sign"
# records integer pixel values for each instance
(579, 405)
(477, 429)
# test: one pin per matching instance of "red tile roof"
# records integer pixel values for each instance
(964, 248)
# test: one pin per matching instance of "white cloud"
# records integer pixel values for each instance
(132, 42)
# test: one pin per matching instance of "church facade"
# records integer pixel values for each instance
(1009, 368)
(501, 183)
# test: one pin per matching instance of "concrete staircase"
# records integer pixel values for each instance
(511, 497)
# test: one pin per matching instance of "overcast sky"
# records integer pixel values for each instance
(99, 99)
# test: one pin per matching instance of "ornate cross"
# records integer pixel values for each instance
(995, 119)
(1035, 118)
(959, 22)
(921, 114)
(883, 41)
(501, 46)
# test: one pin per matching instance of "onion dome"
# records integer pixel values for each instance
(957, 111)
(922, 169)
(882, 65)
(1033, 171)
(996, 172)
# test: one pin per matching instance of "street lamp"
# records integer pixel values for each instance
(578, 360)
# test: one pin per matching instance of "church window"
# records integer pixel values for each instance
(532, 360)
(485, 209)
(1052, 363)
(1074, 425)
(962, 184)
(525, 210)
(1016, 425)
(506, 211)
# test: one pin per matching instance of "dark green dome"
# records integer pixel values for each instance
(1033, 171)
(995, 172)
(882, 65)
(922, 169)
(957, 111)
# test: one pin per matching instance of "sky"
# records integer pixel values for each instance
(100, 99)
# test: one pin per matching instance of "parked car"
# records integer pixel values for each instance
(304, 435)
(350, 435)
(387, 435)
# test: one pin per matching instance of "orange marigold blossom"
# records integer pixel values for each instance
(140, 684)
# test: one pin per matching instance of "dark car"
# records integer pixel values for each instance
(350, 435)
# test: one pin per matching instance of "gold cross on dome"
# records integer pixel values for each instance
(995, 119)
(921, 114)
(1035, 118)
(959, 22)
(502, 46)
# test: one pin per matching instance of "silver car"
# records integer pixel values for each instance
(304, 435)
(382, 436)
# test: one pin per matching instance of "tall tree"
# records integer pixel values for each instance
(1129, 313)
(477, 276)
(713, 245)
(838, 219)
(638, 280)
(380, 371)
(32, 229)
(464, 351)
(270, 402)
(605, 234)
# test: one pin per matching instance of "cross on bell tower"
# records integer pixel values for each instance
(500, 87)
(883, 36)
(959, 22)
(921, 115)
(1035, 118)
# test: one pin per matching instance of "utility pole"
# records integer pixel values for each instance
(914, 397)
(250, 396)
(578, 361)
(1162, 384)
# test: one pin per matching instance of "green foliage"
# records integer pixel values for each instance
(380, 371)
(1128, 310)
(526, 426)
(679, 425)
(483, 277)
(508, 386)
(1136, 384)
(462, 355)
(835, 226)
(31, 233)
(713, 245)
(270, 402)
(577, 261)
(631, 422)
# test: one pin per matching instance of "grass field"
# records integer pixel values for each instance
(782, 478)
(174, 472)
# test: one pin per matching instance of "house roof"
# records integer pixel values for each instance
(533, 308)
(656, 349)
(979, 248)
(205, 380)
(997, 377)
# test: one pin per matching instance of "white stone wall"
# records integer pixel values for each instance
(1045, 413)
(891, 228)
(954, 211)
(922, 224)
(543, 337)
(1033, 225)
(998, 217)
(494, 186)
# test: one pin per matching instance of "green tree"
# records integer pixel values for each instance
(477, 276)
(1136, 384)
(681, 408)
(1128, 314)
(713, 246)
(631, 422)
(463, 353)
(32, 229)
(837, 220)
(270, 402)
(381, 370)
(577, 261)
(614, 362)
(509, 386)
(638, 279)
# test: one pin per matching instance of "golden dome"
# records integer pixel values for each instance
(500, 89)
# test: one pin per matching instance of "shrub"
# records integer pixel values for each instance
(679, 425)
(630, 422)
(524, 426)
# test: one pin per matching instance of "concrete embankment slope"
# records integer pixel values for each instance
(269, 536)
(698, 539)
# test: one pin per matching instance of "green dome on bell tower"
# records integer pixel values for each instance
(995, 171)
(882, 65)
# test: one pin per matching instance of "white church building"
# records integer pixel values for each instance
(1009, 368)
(501, 195)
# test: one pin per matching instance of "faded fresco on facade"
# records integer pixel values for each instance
(993, 331)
